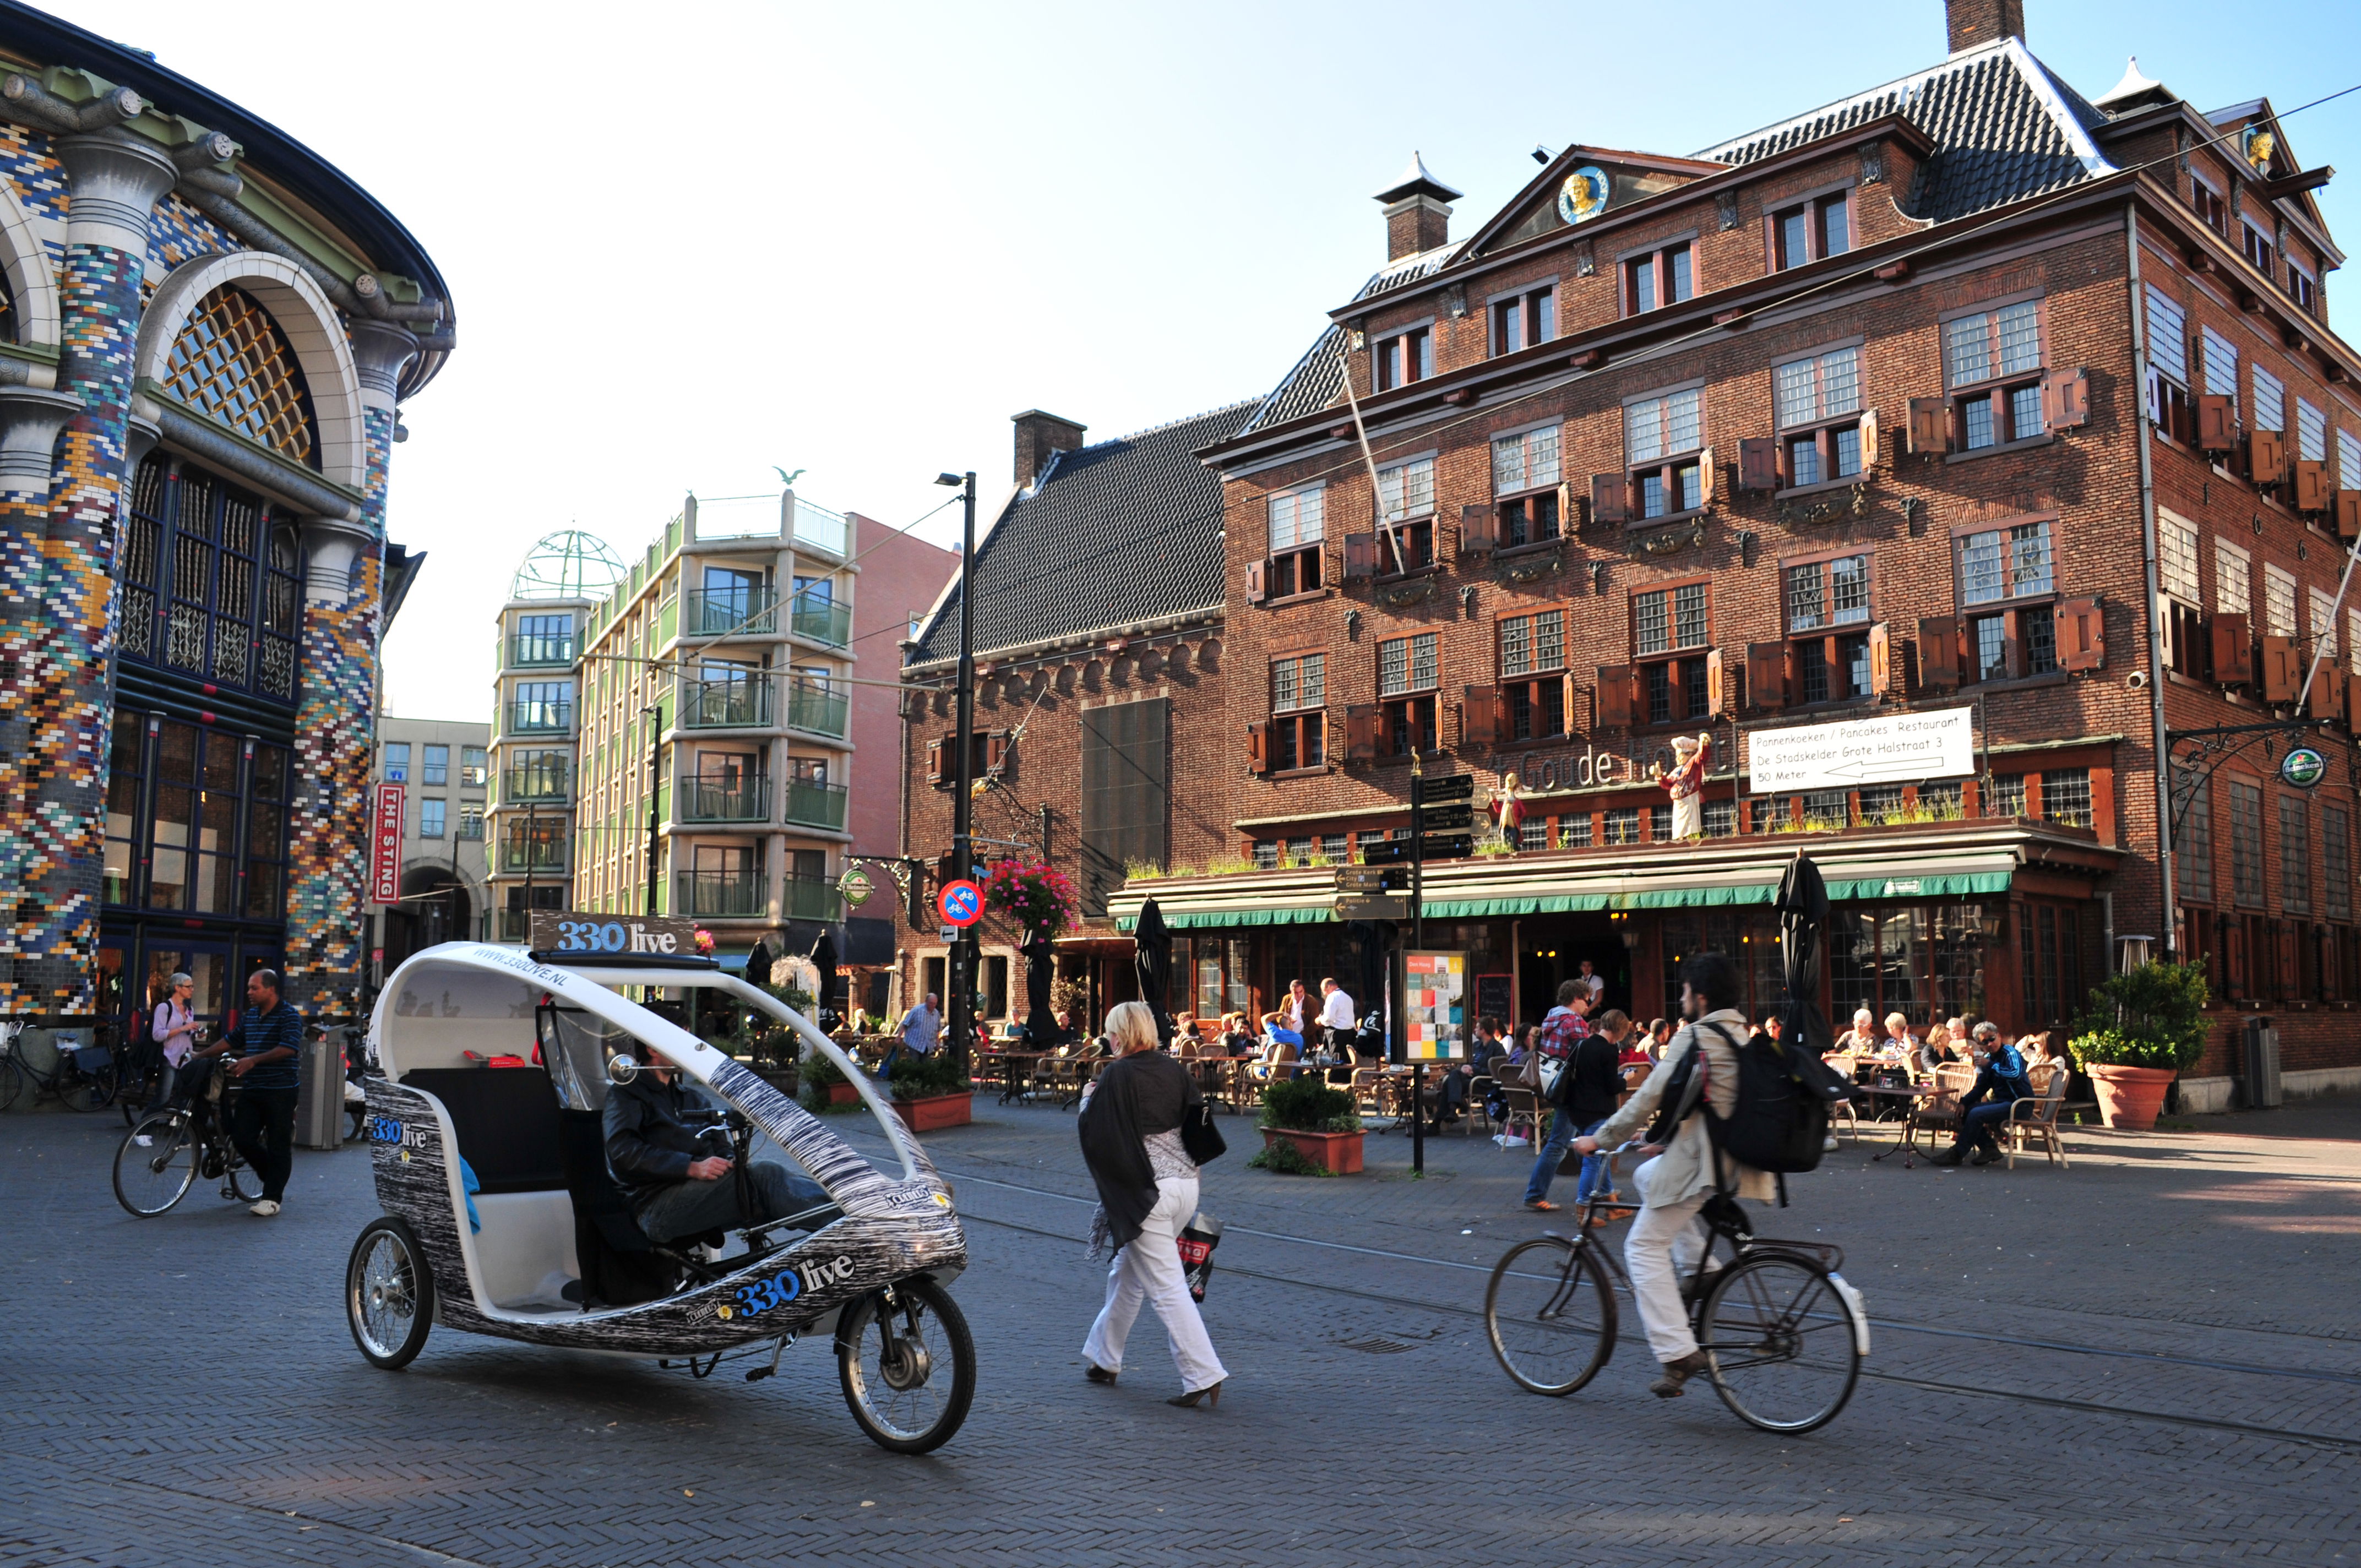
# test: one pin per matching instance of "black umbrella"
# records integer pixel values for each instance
(1152, 963)
(1803, 906)
(823, 958)
(759, 959)
(1040, 960)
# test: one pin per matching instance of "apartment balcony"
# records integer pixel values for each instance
(542, 781)
(530, 855)
(728, 612)
(821, 620)
(723, 705)
(531, 717)
(719, 800)
(719, 893)
(813, 898)
(471, 829)
(813, 805)
(528, 652)
(817, 708)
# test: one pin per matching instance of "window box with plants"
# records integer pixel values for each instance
(1308, 1129)
(2146, 1027)
(932, 1091)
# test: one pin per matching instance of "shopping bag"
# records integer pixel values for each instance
(1198, 1240)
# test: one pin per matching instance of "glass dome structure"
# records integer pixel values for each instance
(566, 565)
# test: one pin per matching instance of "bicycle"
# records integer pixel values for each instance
(1783, 1332)
(82, 1077)
(180, 1143)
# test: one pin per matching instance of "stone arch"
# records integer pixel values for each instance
(312, 330)
(31, 279)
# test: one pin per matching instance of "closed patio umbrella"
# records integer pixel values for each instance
(1040, 961)
(1152, 962)
(1803, 906)
(823, 958)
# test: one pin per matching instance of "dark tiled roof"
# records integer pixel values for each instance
(2003, 128)
(1319, 376)
(1117, 532)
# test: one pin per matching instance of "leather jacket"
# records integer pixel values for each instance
(655, 1129)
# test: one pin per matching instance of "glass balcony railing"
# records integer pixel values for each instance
(723, 800)
(534, 650)
(542, 781)
(814, 707)
(527, 717)
(720, 893)
(471, 828)
(813, 805)
(716, 612)
(821, 620)
(724, 705)
(533, 855)
(821, 528)
(813, 898)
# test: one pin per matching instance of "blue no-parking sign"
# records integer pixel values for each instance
(961, 903)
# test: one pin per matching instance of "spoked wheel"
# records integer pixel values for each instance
(907, 1366)
(1550, 1316)
(1780, 1337)
(150, 1177)
(388, 1294)
(240, 1182)
(87, 1090)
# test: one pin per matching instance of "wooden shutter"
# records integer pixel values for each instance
(2278, 673)
(1258, 573)
(1766, 675)
(1868, 439)
(1758, 463)
(1479, 528)
(1880, 660)
(2312, 488)
(1360, 557)
(2348, 507)
(1364, 725)
(1614, 697)
(2065, 398)
(1931, 420)
(1717, 684)
(937, 772)
(1938, 654)
(2266, 456)
(1479, 717)
(1707, 473)
(996, 753)
(2217, 423)
(2234, 651)
(2166, 621)
(2327, 699)
(1610, 499)
(2283, 948)
(2082, 634)
(1258, 746)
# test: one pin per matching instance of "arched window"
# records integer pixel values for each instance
(232, 363)
(211, 581)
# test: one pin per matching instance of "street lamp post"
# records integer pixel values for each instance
(961, 983)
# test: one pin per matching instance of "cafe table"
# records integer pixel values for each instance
(1912, 1096)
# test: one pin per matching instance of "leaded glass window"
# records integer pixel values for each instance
(232, 364)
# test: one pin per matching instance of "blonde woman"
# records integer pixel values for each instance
(1147, 1191)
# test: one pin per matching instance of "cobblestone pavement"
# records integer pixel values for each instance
(2153, 1355)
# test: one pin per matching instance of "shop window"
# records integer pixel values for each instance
(2051, 961)
(125, 789)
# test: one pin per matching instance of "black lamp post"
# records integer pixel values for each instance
(961, 983)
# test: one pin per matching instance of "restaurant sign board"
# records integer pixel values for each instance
(1895, 748)
(385, 846)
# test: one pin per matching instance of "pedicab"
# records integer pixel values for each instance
(494, 1064)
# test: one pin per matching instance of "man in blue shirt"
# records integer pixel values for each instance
(2001, 1081)
(268, 1071)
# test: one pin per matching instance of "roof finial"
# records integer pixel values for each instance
(2132, 85)
(1416, 182)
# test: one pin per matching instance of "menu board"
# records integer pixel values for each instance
(1435, 1007)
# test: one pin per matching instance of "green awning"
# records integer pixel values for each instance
(1949, 884)
(1182, 918)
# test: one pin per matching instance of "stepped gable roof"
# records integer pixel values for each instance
(1318, 378)
(1111, 534)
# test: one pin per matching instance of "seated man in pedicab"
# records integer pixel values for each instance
(670, 1154)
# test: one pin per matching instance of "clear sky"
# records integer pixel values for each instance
(689, 241)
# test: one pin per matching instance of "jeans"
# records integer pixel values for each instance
(1976, 1125)
(1563, 1131)
(263, 1125)
(691, 1208)
(1148, 1268)
(1595, 1177)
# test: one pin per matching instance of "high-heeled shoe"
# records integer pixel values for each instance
(1211, 1395)
(1098, 1374)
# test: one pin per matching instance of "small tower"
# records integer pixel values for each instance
(1418, 217)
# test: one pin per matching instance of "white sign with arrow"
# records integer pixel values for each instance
(1899, 747)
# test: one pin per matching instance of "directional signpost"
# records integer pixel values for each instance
(1892, 748)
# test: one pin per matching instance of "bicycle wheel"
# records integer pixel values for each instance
(891, 1360)
(86, 1091)
(241, 1181)
(14, 1083)
(388, 1294)
(1779, 1338)
(151, 1179)
(1549, 1315)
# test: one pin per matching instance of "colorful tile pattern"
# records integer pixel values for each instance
(40, 181)
(178, 232)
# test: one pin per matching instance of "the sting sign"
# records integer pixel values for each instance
(385, 846)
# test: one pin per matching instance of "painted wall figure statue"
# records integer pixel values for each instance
(1508, 809)
(1686, 784)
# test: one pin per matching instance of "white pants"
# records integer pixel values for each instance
(1149, 1268)
(1664, 1243)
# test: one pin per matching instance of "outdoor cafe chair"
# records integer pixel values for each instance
(1525, 1108)
(2033, 1121)
(1480, 1089)
(1935, 1120)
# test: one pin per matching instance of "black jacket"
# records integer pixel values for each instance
(1148, 1092)
(654, 1130)
(1593, 1088)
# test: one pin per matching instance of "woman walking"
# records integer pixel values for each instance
(1148, 1192)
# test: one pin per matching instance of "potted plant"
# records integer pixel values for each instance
(825, 1085)
(2145, 1027)
(931, 1091)
(1305, 1123)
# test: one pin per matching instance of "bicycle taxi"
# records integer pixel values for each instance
(545, 1249)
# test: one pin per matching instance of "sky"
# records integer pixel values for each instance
(687, 243)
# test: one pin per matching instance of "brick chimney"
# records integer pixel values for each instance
(1975, 23)
(1416, 216)
(1038, 436)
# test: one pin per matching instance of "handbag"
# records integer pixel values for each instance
(1200, 1136)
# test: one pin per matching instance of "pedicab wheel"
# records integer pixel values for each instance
(1549, 1315)
(150, 1179)
(388, 1294)
(1779, 1340)
(907, 1366)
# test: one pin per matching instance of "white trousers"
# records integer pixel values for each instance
(1149, 1268)
(1664, 1244)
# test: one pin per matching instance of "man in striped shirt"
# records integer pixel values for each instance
(268, 1071)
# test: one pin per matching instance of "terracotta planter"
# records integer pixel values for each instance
(933, 1111)
(1339, 1152)
(2130, 1097)
(842, 1093)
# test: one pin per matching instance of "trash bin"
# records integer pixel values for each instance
(2262, 1065)
(320, 1107)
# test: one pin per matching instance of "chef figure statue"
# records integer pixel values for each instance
(1686, 784)
(1508, 810)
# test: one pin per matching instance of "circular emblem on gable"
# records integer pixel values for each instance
(2303, 767)
(2256, 142)
(1584, 194)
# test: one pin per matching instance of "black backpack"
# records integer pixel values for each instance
(1780, 1123)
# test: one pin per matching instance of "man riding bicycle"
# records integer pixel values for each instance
(1679, 1174)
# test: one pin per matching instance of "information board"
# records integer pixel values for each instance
(1435, 1007)
(1890, 749)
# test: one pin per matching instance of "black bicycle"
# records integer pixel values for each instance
(163, 1155)
(1784, 1333)
(82, 1077)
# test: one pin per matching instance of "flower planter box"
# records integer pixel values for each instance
(2130, 1097)
(842, 1093)
(1339, 1152)
(933, 1111)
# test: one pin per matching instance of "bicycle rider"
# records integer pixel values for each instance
(1667, 1240)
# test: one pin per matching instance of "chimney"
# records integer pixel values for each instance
(1975, 23)
(1038, 436)
(1416, 218)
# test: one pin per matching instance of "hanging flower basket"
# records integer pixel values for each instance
(1040, 898)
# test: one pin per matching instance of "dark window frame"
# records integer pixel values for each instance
(1996, 387)
(1403, 358)
(1676, 674)
(1531, 312)
(2026, 621)
(1669, 281)
(1812, 211)
(1299, 734)
(1832, 641)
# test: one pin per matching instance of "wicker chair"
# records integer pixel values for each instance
(2034, 1123)
(1935, 1122)
(1525, 1106)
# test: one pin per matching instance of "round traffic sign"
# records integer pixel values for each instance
(961, 902)
(2303, 767)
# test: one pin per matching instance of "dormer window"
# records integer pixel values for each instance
(1811, 231)
(1405, 357)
